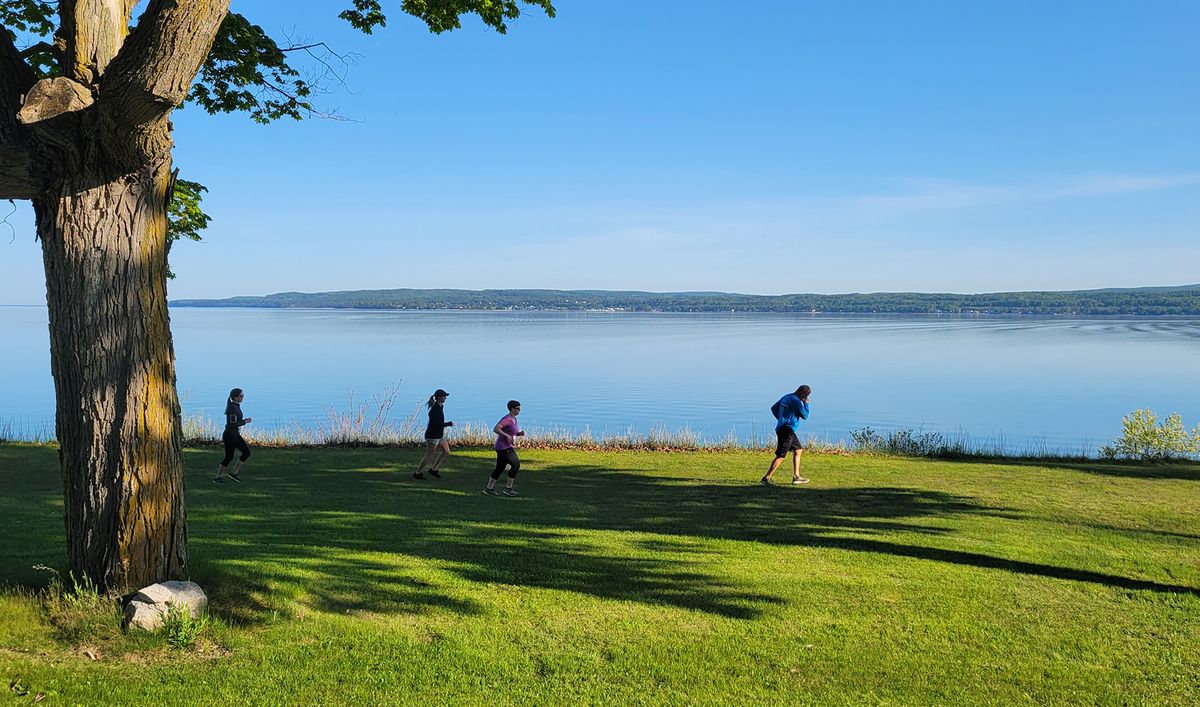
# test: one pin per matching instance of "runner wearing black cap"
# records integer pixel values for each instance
(232, 437)
(437, 447)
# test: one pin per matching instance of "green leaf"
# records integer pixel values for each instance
(246, 70)
(30, 16)
(185, 217)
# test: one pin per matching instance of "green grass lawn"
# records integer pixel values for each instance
(641, 578)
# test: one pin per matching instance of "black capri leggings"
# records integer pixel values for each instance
(234, 442)
(507, 457)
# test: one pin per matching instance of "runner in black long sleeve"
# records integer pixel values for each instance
(232, 437)
(437, 447)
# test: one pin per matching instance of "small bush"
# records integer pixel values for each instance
(1144, 438)
(181, 628)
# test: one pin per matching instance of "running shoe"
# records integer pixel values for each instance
(510, 492)
(219, 480)
(236, 477)
(799, 481)
(488, 491)
(435, 473)
(418, 475)
(764, 481)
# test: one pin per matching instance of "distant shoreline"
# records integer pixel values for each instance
(1146, 301)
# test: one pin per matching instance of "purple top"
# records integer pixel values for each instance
(508, 423)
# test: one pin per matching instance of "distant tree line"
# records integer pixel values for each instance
(1136, 301)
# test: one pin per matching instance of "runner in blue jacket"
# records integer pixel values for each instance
(788, 412)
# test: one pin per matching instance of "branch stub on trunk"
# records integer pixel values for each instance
(50, 98)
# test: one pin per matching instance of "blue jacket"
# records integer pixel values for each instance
(789, 411)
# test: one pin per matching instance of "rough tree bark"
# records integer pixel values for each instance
(104, 249)
(93, 150)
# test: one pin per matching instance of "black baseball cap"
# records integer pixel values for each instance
(439, 392)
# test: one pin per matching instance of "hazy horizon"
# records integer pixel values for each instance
(601, 289)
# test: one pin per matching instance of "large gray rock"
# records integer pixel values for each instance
(148, 607)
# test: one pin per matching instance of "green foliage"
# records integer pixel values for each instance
(365, 16)
(444, 15)
(28, 21)
(181, 628)
(1143, 437)
(248, 71)
(34, 17)
(185, 219)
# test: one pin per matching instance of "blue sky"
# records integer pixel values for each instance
(693, 145)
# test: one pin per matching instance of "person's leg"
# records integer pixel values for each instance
(229, 449)
(514, 465)
(501, 462)
(782, 445)
(771, 470)
(796, 477)
(426, 459)
(440, 452)
(241, 446)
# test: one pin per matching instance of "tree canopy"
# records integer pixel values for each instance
(247, 70)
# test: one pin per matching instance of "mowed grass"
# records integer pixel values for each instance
(643, 578)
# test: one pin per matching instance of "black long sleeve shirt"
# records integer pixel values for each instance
(437, 423)
(233, 417)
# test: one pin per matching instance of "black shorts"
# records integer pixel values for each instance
(788, 441)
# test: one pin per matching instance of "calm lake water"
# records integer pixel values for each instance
(1029, 384)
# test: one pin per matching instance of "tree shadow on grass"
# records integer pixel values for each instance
(341, 532)
(349, 532)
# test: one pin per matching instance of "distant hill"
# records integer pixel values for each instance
(1183, 300)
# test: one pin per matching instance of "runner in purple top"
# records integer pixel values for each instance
(507, 430)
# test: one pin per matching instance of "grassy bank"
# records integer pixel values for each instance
(640, 578)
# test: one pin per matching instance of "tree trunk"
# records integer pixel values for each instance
(118, 418)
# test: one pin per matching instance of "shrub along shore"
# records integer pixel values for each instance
(633, 577)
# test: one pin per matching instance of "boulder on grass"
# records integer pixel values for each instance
(148, 608)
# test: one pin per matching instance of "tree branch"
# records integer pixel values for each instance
(92, 32)
(152, 73)
(39, 47)
(20, 177)
(16, 78)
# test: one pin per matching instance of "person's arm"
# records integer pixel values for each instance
(499, 430)
(803, 409)
(775, 409)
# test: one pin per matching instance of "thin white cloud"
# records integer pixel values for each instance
(1114, 184)
(932, 195)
